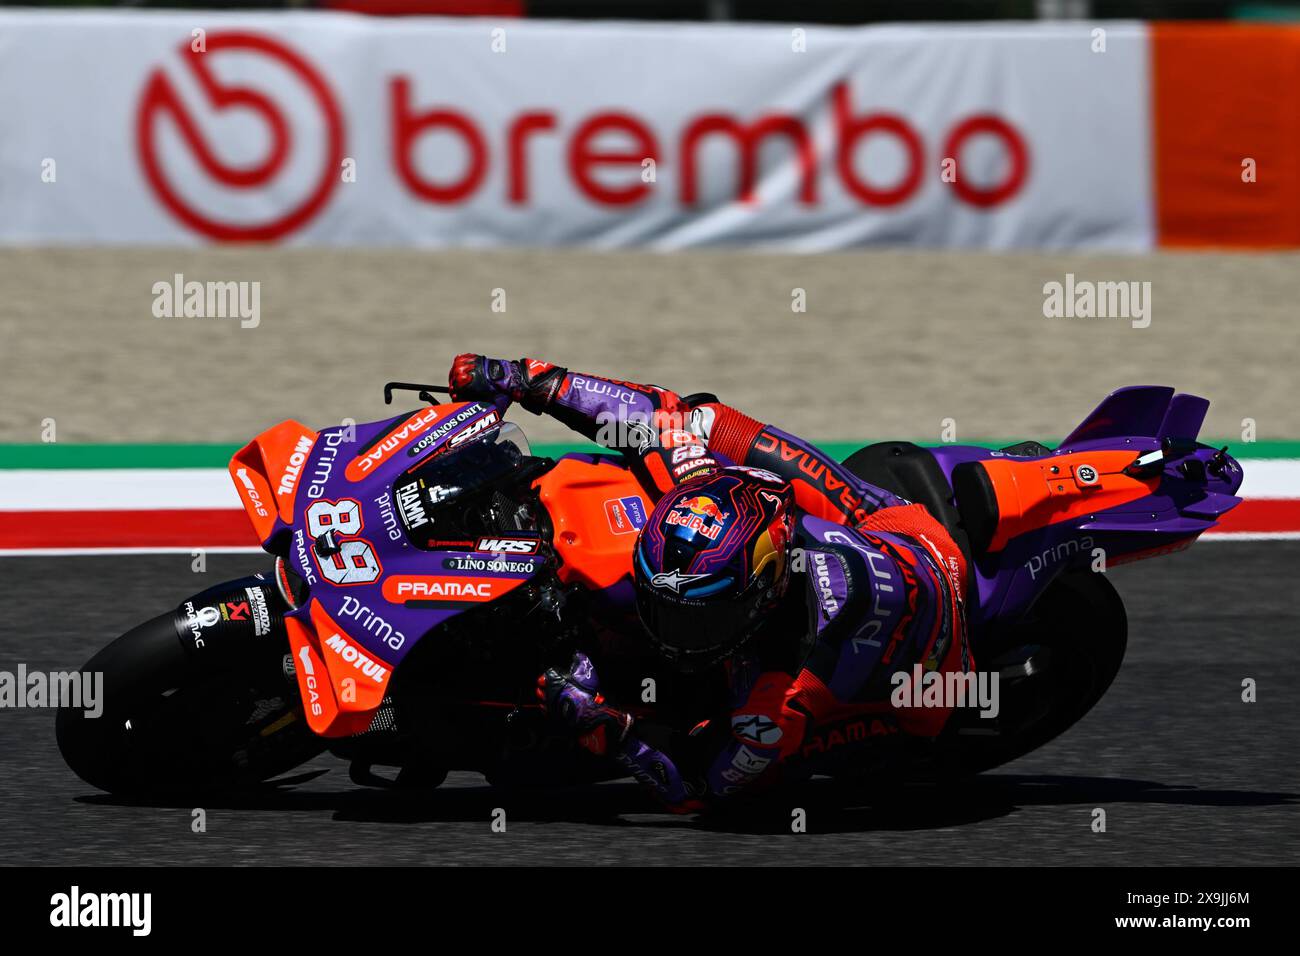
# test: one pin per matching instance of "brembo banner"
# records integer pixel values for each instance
(330, 129)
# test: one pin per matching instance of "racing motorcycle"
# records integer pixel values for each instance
(427, 567)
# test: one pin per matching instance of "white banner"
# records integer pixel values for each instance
(331, 129)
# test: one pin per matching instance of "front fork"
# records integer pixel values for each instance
(231, 622)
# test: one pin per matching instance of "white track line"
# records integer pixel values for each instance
(117, 489)
(129, 489)
(76, 552)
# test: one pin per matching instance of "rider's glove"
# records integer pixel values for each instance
(528, 382)
(573, 698)
(479, 377)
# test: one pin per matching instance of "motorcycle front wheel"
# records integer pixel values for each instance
(169, 726)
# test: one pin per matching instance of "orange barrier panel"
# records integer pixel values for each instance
(1224, 93)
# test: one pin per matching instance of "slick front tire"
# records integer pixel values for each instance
(169, 726)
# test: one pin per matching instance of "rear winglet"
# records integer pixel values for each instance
(1137, 410)
(1185, 416)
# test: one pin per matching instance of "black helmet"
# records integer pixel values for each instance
(711, 561)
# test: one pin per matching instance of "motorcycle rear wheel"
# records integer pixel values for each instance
(1076, 643)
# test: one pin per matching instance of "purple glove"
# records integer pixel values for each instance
(479, 377)
(531, 383)
(573, 697)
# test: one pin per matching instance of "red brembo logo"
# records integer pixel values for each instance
(603, 151)
(591, 156)
(161, 100)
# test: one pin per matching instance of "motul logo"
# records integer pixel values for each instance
(289, 480)
(351, 655)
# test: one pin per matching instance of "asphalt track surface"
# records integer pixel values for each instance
(1186, 772)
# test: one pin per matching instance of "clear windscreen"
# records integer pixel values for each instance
(514, 435)
(456, 494)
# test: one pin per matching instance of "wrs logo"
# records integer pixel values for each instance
(181, 120)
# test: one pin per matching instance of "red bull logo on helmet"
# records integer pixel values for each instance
(700, 514)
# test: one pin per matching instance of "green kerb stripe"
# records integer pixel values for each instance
(61, 455)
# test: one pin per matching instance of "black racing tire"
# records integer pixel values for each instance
(170, 726)
(1080, 632)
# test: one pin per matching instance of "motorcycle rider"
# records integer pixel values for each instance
(737, 502)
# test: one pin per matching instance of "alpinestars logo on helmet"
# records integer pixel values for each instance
(673, 580)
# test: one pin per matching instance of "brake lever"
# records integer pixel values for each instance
(425, 392)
